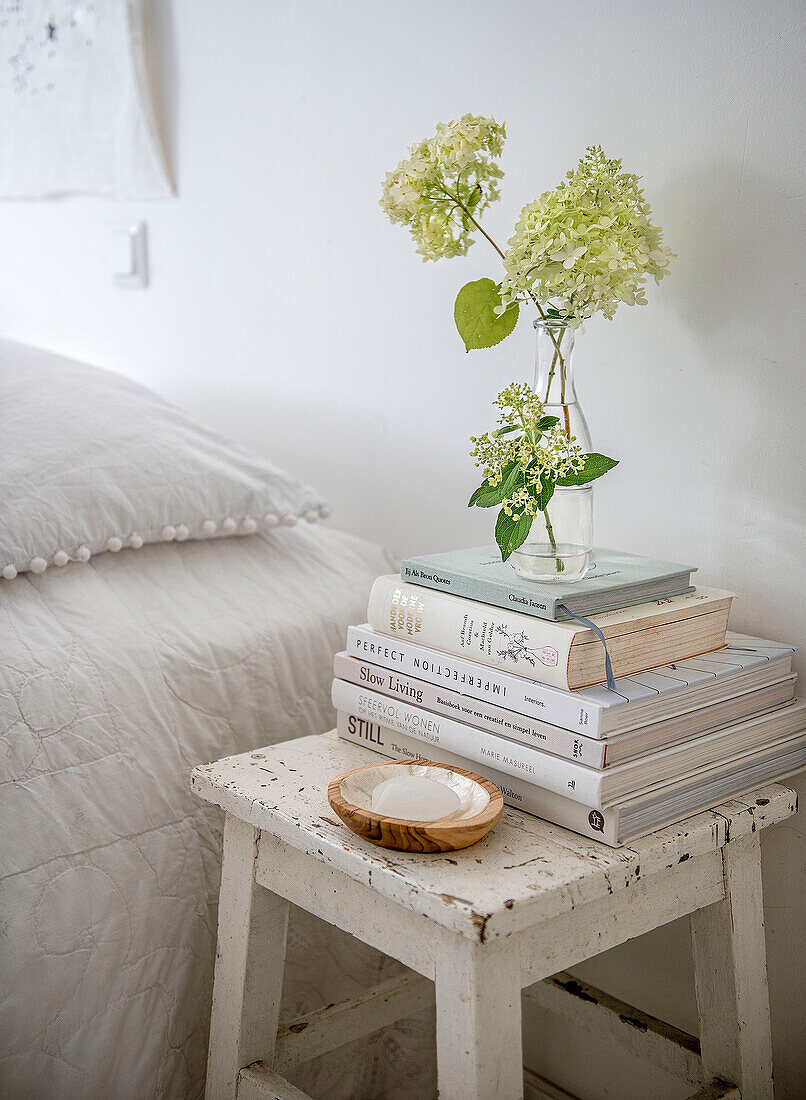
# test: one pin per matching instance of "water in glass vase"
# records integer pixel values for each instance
(561, 539)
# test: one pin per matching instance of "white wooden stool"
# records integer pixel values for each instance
(528, 901)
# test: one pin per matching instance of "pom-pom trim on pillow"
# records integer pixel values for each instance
(208, 529)
(94, 462)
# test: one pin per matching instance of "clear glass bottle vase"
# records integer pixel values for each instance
(554, 378)
(561, 538)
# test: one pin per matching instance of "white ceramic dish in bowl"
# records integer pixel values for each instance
(480, 806)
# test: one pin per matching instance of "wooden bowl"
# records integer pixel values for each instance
(483, 807)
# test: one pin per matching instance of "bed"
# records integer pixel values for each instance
(114, 682)
(117, 675)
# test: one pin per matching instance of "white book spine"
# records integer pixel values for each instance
(490, 635)
(564, 777)
(597, 824)
(503, 689)
(476, 712)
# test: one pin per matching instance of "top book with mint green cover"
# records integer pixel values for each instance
(614, 580)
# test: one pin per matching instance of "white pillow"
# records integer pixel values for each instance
(90, 462)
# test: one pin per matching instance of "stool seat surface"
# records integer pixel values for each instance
(524, 871)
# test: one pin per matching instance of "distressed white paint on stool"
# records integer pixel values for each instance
(526, 901)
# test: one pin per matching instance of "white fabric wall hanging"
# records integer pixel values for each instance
(75, 112)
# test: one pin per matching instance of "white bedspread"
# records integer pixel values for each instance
(116, 677)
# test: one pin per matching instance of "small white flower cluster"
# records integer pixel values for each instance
(444, 181)
(588, 245)
(542, 454)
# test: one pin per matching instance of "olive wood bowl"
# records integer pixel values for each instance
(485, 806)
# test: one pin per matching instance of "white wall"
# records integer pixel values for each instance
(285, 310)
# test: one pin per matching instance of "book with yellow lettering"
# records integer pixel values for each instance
(561, 654)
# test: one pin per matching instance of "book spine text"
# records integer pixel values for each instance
(533, 765)
(475, 712)
(491, 593)
(468, 678)
(507, 640)
(587, 820)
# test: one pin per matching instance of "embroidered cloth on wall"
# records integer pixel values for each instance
(75, 113)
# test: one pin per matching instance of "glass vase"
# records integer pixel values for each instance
(561, 538)
(554, 378)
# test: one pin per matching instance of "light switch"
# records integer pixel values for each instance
(137, 275)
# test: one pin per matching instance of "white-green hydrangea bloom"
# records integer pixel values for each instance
(543, 454)
(588, 245)
(444, 180)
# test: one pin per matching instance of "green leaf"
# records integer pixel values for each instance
(595, 466)
(546, 422)
(487, 496)
(473, 199)
(512, 475)
(545, 494)
(478, 324)
(511, 532)
(509, 428)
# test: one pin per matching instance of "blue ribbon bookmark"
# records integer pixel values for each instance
(611, 682)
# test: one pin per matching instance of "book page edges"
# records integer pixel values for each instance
(578, 678)
(611, 623)
(716, 600)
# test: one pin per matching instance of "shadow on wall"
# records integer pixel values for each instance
(163, 78)
(738, 287)
(316, 436)
(736, 294)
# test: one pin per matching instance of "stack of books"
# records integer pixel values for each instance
(463, 662)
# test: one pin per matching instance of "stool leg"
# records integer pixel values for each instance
(730, 963)
(250, 959)
(479, 1046)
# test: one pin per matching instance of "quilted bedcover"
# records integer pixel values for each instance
(116, 677)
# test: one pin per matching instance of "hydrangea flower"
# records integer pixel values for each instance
(524, 459)
(446, 181)
(588, 245)
(535, 442)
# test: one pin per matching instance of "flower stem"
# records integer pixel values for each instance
(531, 293)
(558, 355)
(559, 565)
(484, 233)
(555, 359)
(566, 413)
